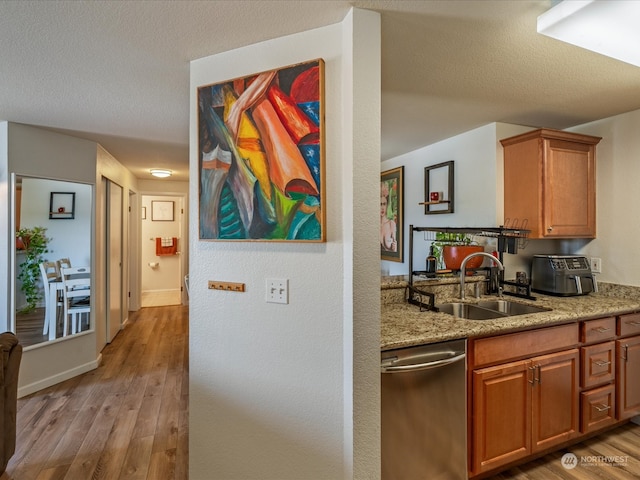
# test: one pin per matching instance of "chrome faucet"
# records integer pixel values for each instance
(463, 268)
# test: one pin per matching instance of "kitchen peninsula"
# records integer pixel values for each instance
(554, 377)
(403, 324)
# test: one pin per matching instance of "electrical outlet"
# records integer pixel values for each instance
(596, 265)
(277, 290)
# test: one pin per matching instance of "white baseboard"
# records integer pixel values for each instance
(58, 378)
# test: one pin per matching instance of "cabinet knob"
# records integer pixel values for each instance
(549, 229)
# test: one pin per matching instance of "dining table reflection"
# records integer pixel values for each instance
(67, 292)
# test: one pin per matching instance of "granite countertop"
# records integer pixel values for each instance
(404, 325)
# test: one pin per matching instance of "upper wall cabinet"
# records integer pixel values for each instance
(549, 183)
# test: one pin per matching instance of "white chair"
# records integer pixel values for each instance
(77, 297)
(63, 263)
(52, 284)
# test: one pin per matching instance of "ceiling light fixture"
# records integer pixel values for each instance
(160, 172)
(606, 27)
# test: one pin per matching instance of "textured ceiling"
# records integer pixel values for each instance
(117, 72)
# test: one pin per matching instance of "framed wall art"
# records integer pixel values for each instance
(392, 214)
(161, 211)
(438, 188)
(62, 206)
(261, 156)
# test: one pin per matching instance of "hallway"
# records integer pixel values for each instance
(128, 419)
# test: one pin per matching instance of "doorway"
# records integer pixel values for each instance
(161, 249)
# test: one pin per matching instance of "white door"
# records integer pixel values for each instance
(114, 260)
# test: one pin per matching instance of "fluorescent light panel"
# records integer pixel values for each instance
(607, 27)
(160, 172)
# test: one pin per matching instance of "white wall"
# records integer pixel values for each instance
(292, 391)
(618, 200)
(69, 238)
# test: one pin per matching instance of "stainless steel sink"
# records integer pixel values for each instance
(489, 309)
(469, 311)
(512, 308)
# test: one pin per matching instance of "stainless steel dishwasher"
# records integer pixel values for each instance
(424, 412)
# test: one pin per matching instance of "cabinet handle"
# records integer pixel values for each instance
(633, 322)
(539, 375)
(533, 376)
(549, 229)
(601, 363)
(625, 349)
(601, 329)
(602, 408)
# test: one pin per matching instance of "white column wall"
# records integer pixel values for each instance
(282, 391)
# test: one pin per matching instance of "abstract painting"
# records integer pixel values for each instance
(261, 156)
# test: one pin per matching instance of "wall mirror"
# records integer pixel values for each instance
(51, 269)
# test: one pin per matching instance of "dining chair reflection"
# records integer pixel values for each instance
(52, 297)
(77, 297)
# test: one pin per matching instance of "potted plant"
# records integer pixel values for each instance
(35, 244)
(450, 249)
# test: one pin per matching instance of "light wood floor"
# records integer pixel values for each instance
(128, 419)
(594, 459)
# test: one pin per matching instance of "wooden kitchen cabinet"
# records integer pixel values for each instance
(628, 377)
(549, 183)
(523, 407)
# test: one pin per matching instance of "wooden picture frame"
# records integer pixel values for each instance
(439, 180)
(162, 211)
(62, 206)
(392, 215)
(261, 156)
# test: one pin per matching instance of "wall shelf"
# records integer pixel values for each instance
(434, 203)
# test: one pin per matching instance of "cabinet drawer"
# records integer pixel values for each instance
(628, 324)
(597, 408)
(598, 330)
(503, 348)
(597, 364)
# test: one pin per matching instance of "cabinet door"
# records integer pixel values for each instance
(628, 376)
(569, 206)
(501, 415)
(555, 401)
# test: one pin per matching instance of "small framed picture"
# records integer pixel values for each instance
(391, 214)
(161, 211)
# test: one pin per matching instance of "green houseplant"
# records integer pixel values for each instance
(35, 244)
(453, 239)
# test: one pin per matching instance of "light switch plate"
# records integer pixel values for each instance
(277, 290)
(596, 265)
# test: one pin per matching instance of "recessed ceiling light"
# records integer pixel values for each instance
(160, 172)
